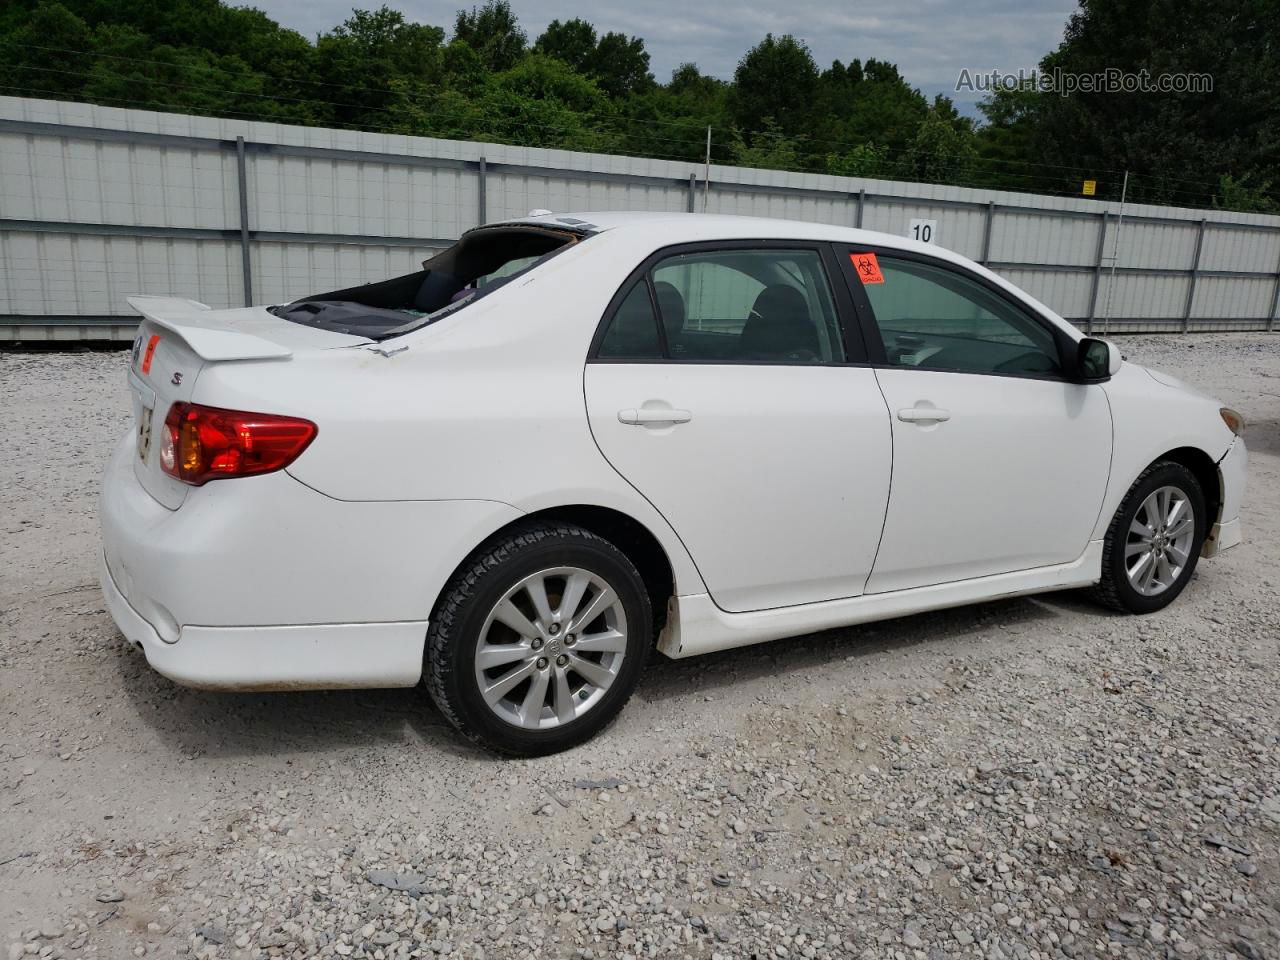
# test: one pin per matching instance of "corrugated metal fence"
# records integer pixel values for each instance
(97, 204)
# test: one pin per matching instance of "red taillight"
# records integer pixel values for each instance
(205, 443)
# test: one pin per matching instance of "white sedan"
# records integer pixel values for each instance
(568, 440)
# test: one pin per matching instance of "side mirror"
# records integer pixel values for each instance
(1097, 360)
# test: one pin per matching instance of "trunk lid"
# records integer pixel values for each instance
(176, 340)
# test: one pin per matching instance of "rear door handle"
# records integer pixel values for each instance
(654, 415)
(924, 415)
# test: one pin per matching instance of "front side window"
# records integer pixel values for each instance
(734, 306)
(938, 319)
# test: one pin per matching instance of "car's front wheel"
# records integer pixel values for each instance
(539, 640)
(1154, 540)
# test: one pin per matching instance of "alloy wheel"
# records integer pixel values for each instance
(551, 648)
(1158, 545)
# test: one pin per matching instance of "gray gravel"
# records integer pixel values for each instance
(1030, 778)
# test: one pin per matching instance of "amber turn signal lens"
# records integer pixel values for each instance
(1233, 420)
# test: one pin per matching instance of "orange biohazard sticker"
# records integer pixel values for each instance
(868, 267)
(150, 352)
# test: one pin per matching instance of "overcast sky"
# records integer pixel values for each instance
(930, 40)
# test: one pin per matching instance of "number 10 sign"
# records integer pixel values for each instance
(926, 231)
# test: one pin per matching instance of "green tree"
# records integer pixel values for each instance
(864, 160)
(689, 82)
(128, 69)
(671, 120)
(545, 78)
(883, 108)
(1178, 145)
(43, 52)
(621, 65)
(1011, 145)
(1243, 195)
(493, 32)
(539, 102)
(617, 63)
(778, 80)
(572, 42)
(940, 152)
(464, 69)
(586, 90)
(770, 148)
(360, 60)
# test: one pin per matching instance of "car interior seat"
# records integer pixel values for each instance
(779, 327)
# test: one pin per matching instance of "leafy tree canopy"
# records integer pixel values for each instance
(493, 32)
(577, 88)
(617, 63)
(1189, 148)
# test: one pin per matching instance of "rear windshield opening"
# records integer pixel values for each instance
(481, 262)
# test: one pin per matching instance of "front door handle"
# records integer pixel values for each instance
(649, 415)
(924, 415)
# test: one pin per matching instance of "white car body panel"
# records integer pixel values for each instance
(1232, 469)
(216, 335)
(194, 567)
(326, 573)
(186, 319)
(702, 627)
(1150, 419)
(1026, 464)
(325, 656)
(800, 454)
(179, 340)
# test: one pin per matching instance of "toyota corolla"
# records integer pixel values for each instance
(569, 441)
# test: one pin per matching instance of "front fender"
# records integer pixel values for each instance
(1150, 418)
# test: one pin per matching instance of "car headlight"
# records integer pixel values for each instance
(1233, 419)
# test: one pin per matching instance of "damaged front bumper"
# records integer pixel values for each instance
(1232, 471)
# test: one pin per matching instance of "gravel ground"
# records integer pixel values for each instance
(1027, 778)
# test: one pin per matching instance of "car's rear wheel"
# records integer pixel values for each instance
(539, 640)
(1154, 540)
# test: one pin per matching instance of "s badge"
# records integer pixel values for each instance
(176, 379)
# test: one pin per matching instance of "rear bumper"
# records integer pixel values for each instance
(314, 656)
(263, 583)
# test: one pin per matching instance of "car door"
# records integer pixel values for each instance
(722, 387)
(1000, 462)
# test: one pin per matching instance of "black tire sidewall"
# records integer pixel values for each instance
(524, 556)
(1162, 475)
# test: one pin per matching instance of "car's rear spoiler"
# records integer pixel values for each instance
(210, 339)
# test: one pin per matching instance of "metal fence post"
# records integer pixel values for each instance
(1275, 302)
(862, 206)
(986, 233)
(242, 181)
(482, 215)
(1097, 272)
(693, 192)
(1195, 275)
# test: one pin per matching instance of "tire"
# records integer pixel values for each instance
(474, 617)
(1117, 589)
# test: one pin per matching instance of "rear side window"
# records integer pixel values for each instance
(633, 332)
(730, 306)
